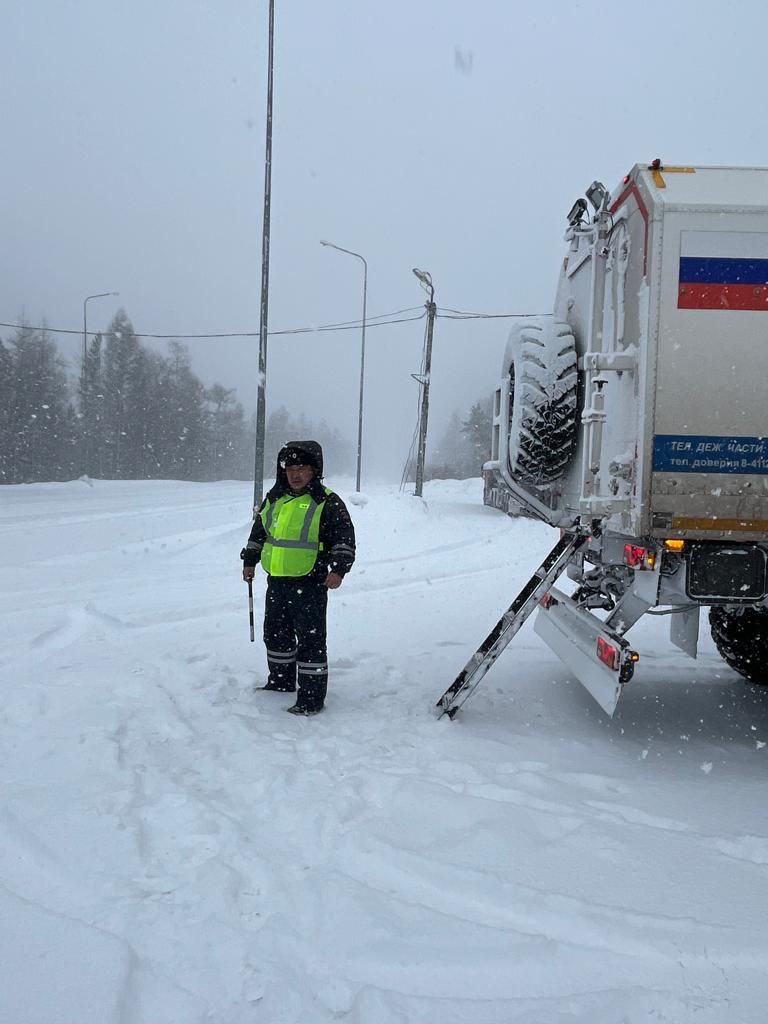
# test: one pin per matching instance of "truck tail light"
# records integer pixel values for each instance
(546, 601)
(607, 653)
(638, 557)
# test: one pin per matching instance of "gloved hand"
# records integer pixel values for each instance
(333, 580)
(249, 571)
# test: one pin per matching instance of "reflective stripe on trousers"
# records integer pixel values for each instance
(295, 636)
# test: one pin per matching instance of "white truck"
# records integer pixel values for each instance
(634, 418)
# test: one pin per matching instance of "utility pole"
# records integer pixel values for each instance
(426, 282)
(261, 400)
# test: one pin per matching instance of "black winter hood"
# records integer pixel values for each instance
(296, 453)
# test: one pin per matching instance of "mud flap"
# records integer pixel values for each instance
(684, 631)
(600, 659)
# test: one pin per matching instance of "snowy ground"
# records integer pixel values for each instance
(175, 849)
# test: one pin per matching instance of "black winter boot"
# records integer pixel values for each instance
(298, 709)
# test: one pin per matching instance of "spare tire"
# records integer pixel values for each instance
(741, 638)
(543, 421)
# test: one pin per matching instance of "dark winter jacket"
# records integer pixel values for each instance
(337, 534)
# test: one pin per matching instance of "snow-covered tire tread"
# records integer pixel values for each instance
(741, 638)
(543, 412)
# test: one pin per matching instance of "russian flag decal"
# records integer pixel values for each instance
(723, 270)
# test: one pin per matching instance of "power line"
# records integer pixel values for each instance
(382, 320)
(459, 314)
(349, 325)
(355, 326)
(369, 319)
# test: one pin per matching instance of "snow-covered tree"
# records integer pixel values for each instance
(464, 445)
(91, 402)
(225, 427)
(38, 421)
(476, 430)
(123, 400)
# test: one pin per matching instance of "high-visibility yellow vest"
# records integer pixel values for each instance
(292, 526)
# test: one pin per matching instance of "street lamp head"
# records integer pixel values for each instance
(425, 280)
(349, 252)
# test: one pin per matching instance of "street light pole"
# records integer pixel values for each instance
(362, 355)
(261, 399)
(426, 282)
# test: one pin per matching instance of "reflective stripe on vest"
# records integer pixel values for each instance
(292, 526)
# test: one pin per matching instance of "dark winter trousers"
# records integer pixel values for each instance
(295, 637)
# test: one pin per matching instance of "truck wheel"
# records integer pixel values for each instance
(742, 641)
(543, 424)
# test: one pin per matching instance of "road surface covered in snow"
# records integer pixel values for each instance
(175, 848)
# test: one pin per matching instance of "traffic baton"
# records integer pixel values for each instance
(250, 607)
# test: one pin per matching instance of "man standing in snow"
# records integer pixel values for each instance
(304, 538)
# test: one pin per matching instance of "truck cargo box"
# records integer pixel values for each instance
(666, 298)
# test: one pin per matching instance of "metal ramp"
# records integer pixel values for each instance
(510, 622)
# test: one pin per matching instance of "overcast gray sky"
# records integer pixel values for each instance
(437, 134)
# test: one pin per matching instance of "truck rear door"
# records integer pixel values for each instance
(710, 415)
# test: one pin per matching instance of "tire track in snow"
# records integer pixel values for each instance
(418, 879)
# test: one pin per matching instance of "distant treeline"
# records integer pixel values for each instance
(130, 414)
